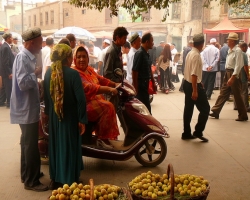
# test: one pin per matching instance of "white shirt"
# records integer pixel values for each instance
(173, 53)
(125, 60)
(210, 57)
(235, 60)
(96, 53)
(193, 66)
(45, 51)
(248, 55)
(102, 54)
(46, 63)
(130, 60)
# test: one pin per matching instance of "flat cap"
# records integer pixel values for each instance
(198, 37)
(133, 37)
(6, 36)
(31, 34)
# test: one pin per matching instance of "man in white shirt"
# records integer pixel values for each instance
(95, 54)
(231, 82)
(173, 64)
(194, 92)
(210, 57)
(49, 44)
(125, 50)
(135, 42)
(105, 46)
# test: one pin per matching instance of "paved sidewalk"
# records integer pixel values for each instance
(224, 160)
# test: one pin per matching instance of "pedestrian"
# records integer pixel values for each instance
(72, 39)
(25, 108)
(135, 42)
(65, 106)
(194, 92)
(163, 66)
(125, 50)
(14, 46)
(185, 52)
(46, 61)
(223, 56)
(6, 62)
(141, 71)
(218, 74)
(231, 82)
(113, 57)
(244, 77)
(105, 46)
(174, 64)
(159, 49)
(210, 57)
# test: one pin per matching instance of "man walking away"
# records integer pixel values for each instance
(141, 71)
(6, 63)
(231, 82)
(194, 92)
(210, 57)
(135, 42)
(223, 57)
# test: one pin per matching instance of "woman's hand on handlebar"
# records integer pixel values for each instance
(113, 91)
(81, 128)
(117, 85)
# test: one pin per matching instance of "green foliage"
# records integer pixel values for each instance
(134, 7)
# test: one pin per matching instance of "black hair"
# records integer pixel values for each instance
(82, 42)
(196, 44)
(120, 32)
(126, 45)
(243, 44)
(49, 41)
(146, 37)
(71, 37)
(64, 41)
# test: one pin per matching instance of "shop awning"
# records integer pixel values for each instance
(225, 26)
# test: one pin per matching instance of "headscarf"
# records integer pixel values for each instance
(58, 54)
(79, 48)
(166, 52)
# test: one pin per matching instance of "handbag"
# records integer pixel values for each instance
(151, 88)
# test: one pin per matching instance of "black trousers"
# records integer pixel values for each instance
(142, 94)
(5, 91)
(201, 104)
(208, 79)
(30, 157)
(166, 82)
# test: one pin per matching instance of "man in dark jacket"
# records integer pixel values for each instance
(113, 57)
(6, 63)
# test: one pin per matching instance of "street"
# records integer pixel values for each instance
(224, 160)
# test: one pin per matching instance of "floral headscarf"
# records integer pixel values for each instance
(58, 54)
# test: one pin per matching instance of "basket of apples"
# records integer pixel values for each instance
(149, 186)
(90, 192)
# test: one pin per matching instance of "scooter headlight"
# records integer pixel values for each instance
(141, 108)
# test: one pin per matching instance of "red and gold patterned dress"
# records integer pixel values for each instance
(98, 109)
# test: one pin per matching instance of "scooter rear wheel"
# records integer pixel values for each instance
(152, 152)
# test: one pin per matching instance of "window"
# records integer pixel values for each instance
(196, 9)
(52, 16)
(66, 14)
(46, 18)
(29, 21)
(176, 10)
(41, 19)
(145, 16)
(83, 11)
(108, 16)
(34, 20)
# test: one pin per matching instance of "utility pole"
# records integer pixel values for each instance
(21, 16)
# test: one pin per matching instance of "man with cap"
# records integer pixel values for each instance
(194, 92)
(135, 42)
(210, 57)
(25, 108)
(14, 46)
(231, 82)
(6, 63)
(105, 46)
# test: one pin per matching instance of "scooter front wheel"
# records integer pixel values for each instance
(152, 152)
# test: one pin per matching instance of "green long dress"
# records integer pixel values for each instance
(65, 155)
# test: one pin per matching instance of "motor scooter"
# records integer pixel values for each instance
(144, 135)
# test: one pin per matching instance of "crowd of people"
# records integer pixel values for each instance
(78, 75)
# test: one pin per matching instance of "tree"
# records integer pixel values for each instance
(134, 7)
(137, 7)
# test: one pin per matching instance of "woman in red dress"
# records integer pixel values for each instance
(99, 110)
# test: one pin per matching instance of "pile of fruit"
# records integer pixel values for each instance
(83, 192)
(153, 186)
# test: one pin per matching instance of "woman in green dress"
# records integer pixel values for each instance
(65, 106)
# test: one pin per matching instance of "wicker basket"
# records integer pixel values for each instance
(173, 196)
